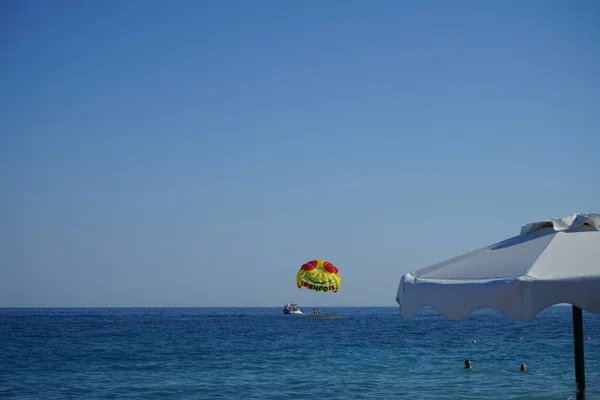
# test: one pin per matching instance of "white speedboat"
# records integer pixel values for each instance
(292, 308)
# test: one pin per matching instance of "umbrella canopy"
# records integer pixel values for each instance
(552, 261)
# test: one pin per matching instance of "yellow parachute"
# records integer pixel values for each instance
(319, 275)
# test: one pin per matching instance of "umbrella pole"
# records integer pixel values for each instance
(578, 342)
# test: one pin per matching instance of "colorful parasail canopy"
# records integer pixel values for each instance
(319, 275)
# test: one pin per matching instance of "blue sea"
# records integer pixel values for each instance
(259, 353)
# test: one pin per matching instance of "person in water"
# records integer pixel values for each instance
(523, 367)
(467, 364)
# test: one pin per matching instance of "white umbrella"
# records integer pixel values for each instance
(551, 262)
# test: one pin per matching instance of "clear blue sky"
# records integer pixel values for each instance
(196, 153)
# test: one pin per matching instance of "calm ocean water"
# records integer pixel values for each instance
(259, 353)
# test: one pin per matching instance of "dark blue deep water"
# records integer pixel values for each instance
(259, 353)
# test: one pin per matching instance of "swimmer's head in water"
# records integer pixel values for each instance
(468, 364)
(523, 367)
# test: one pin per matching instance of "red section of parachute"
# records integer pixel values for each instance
(329, 267)
(310, 265)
